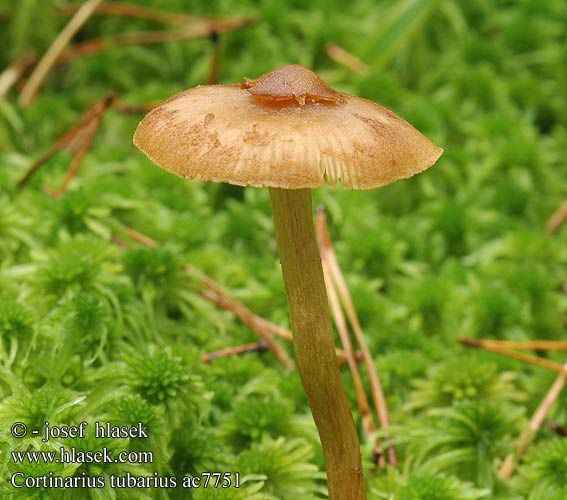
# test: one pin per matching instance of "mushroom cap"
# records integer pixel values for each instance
(285, 129)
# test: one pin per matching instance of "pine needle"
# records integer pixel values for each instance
(243, 313)
(42, 69)
(344, 294)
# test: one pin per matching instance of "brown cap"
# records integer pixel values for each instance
(285, 129)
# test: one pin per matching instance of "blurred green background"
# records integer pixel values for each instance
(91, 330)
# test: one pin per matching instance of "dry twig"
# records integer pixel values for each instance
(527, 358)
(502, 347)
(338, 280)
(42, 69)
(557, 219)
(347, 59)
(510, 462)
(77, 140)
(561, 430)
(243, 313)
(95, 45)
(257, 347)
(140, 238)
(366, 415)
(248, 317)
(134, 108)
(136, 236)
(193, 27)
(361, 399)
(138, 12)
(13, 73)
(536, 345)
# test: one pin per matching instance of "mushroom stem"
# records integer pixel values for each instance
(313, 342)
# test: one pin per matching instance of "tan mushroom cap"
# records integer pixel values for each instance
(286, 129)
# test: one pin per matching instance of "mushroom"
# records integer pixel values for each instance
(289, 131)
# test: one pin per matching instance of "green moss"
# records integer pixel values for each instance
(95, 326)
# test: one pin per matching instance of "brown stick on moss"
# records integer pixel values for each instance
(337, 277)
(13, 73)
(557, 218)
(228, 302)
(259, 330)
(509, 465)
(113, 9)
(42, 69)
(534, 345)
(313, 342)
(526, 358)
(259, 346)
(76, 139)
